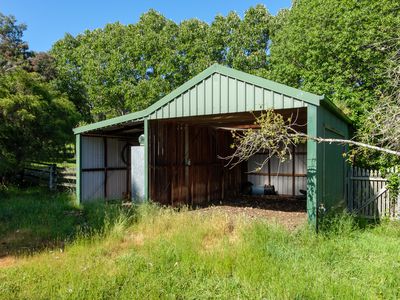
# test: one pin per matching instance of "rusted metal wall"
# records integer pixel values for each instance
(287, 177)
(104, 174)
(184, 164)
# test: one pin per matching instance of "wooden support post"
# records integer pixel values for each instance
(293, 170)
(52, 177)
(398, 203)
(269, 172)
(187, 164)
(350, 196)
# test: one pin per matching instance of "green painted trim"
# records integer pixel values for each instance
(146, 160)
(109, 122)
(78, 168)
(270, 85)
(329, 105)
(239, 75)
(312, 166)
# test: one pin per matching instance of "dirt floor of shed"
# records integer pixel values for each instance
(289, 212)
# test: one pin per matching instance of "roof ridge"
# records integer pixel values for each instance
(261, 82)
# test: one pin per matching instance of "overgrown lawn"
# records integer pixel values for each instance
(151, 252)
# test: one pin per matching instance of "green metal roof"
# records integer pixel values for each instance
(217, 90)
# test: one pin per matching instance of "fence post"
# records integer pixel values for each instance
(350, 189)
(397, 201)
(52, 177)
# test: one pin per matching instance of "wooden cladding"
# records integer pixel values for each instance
(184, 164)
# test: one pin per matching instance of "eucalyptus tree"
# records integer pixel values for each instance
(334, 48)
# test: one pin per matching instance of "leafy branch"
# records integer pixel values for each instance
(275, 136)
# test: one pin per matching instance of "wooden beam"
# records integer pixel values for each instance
(293, 170)
(186, 162)
(121, 137)
(104, 169)
(269, 172)
(277, 174)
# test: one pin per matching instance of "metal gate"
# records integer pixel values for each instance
(368, 195)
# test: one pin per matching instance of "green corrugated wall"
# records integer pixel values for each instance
(220, 94)
(331, 161)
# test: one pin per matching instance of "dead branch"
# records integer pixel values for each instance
(351, 142)
(276, 137)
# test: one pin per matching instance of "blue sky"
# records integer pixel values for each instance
(49, 20)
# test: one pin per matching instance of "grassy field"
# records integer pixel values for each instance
(106, 252)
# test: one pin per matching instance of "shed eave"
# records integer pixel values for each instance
(136, 116)
(336, 110)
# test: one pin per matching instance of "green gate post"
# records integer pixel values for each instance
(146, 159)
(312, 167)
(78, 168)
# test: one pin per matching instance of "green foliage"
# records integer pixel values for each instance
(43, 64)
(336, 48)
(275, 136)
(166, 254)
(393, 185)
(35, 120)
(13, 50)
(120, 69)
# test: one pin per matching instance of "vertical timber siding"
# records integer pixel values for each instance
(184, 164)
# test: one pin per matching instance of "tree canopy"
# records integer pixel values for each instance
(326, 47)
(124, 68)
(13, 49)
(36, 119)
(338, 48)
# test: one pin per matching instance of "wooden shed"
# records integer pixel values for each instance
(169, 152)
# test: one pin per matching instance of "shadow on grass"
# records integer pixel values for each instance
(33, 219)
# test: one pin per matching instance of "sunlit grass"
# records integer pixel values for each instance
(152, 253)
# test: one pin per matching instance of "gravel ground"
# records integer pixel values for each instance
(289, 212)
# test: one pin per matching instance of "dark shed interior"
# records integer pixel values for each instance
(186, 165)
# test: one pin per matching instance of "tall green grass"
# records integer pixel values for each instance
(34, 219)
(152, 253)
